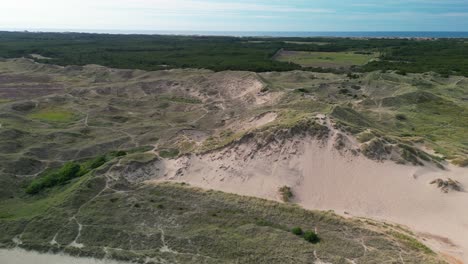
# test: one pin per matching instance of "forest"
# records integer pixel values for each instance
(155, 52)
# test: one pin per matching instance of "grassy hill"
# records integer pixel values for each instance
(52, 115)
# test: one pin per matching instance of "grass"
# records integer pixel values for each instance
(181, 99)
(325, 59)
(208, 225)
(53, 115)
(169, 153)
(221, 228)
(64, 174)
(21, 207)
(411, 242)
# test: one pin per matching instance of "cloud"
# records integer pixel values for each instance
(212, 6)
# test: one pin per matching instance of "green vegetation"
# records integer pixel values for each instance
(120, 110)
(411, 242)
(53, 115)
(154, 52)
(221, 227)
(311, 236)
(67, 172)
(297, 231)
(169, 153)
(325, 59)
(144, 51)
(64, 174)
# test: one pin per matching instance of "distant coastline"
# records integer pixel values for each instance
(352, 34)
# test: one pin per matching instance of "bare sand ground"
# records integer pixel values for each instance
(324, 178)
(21, 256)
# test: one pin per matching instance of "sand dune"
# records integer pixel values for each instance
(325, 178)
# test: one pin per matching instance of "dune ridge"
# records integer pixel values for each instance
(326, 177)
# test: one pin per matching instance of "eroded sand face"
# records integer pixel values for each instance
(21, 256)
(324, 178)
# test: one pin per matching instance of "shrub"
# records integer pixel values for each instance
(401, 72)
(352, 76)
(401, 117)
(344, 91)
(67, 172)
(311, 237)
(286, 193)
(297, 231)
(120, 153)
(461, 162)
(97, 162)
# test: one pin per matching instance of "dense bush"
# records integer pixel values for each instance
(401, 117)
(64, 174)
(311, 237)
(297, 231)
(67, 172)
(97, 162)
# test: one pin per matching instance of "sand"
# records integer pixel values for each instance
(21, 256)
(324, 178)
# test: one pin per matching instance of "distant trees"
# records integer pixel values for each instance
(153, 52)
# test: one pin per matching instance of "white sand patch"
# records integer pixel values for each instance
(323, 178)
(21, 256)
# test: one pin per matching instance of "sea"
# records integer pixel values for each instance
(349, 34)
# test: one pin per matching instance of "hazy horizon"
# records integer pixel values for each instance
(356, 34)
(240, 15)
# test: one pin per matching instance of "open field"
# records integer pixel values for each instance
(224, 130)
(325, 59)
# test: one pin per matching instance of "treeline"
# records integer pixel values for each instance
(147, 52)
(155, 52)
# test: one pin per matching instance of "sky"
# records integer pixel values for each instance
(241, 15)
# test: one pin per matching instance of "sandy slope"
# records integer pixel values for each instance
(325, 178)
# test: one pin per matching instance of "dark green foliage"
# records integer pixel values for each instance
(344, 91)
(119, 153)
(401, 117)
(155, 52)
(297, 231)
(352, 76)
(67, 172)
(97, 162)
(147, 52)
(311, 237)
(401, 72)
(64, 174)
(444, 56)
